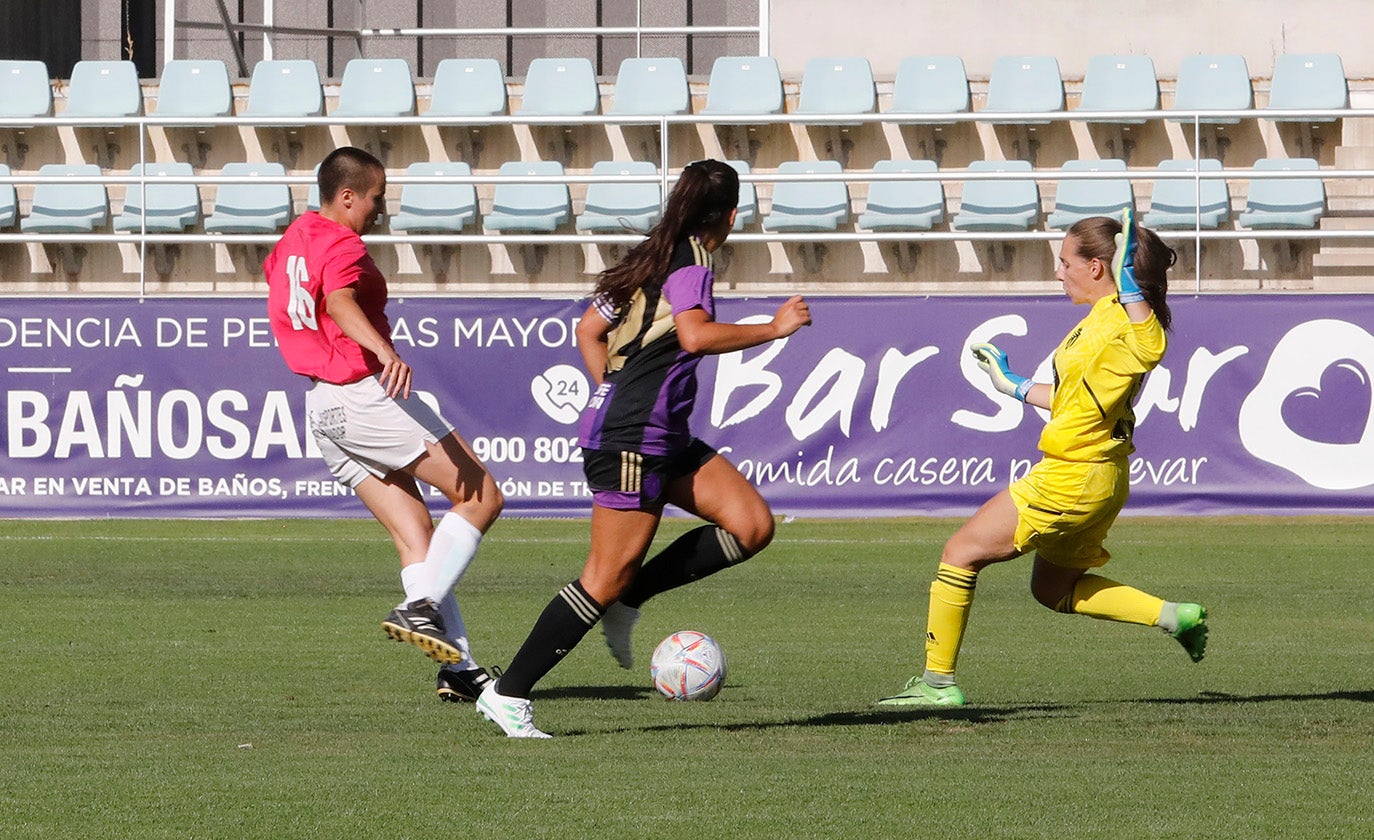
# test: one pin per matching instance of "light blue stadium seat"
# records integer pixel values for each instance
(808, 205)
(1025, 83)
(468, 88)
(104, 89)
(9, 203)
(1213, 83)
(1079, 199)
(1308, 82)
(903, 205)
(376, 87)
(560, 87)
(288, 88)
(1120, 83)
(998, 205)
(1174, 203)
(67, 208)
(744, 85)
(930, 84)
(617, 208)
(28, 91)
(312, 197)
(748, 209)
(171, 208)
(436, 208)
(651, 86)
(529, 208)
(1284, 203)
(190, 88)
(837, 86)
(250, 208)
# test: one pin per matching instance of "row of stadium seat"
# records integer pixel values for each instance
(750, 85)
(796, 206)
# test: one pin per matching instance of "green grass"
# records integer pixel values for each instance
(229, 679)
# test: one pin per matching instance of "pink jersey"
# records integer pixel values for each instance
(317, 256)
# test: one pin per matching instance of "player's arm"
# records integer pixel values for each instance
(1123, 271)
(994, 363)
(342, 305)
(592, 333)
(698, 333)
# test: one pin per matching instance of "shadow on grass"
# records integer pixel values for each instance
(1207, 697)
(966, 716)
(595, 692)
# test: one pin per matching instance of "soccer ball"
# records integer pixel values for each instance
(688, 665)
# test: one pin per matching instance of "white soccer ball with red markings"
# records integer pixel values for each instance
(688, 665)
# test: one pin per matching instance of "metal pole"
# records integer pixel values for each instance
(169, 30)
(268, 19)
(765, 44)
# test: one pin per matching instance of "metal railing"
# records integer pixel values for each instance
(666, 175)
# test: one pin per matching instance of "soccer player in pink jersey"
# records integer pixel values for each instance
(326, 301)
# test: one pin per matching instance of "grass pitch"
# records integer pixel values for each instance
(230, 679)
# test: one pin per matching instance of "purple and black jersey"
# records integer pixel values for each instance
(651, 382)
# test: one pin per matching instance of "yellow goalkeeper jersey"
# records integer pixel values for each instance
(1098, 370)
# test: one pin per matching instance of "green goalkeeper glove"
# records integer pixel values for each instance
(1123, 262)
(994, 362)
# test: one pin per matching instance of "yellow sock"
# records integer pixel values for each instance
(1101, 597)
(951, 598)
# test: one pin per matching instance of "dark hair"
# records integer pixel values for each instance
(1096, 238)
(705, 194)
(347, 167)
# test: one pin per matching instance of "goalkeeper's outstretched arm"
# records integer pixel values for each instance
(994, 363)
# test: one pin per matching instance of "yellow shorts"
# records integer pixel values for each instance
(1065, 508)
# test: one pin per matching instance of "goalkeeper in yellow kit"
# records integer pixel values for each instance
(1065, 505)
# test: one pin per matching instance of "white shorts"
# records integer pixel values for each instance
(361, 431)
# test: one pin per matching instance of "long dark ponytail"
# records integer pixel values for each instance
(705, 194)
(1097, 240)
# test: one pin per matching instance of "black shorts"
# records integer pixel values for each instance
(624, 480)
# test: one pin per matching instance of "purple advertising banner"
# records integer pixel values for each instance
(183, 407)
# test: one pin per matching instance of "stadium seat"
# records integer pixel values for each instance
(467, 88)
(560, 87)
(104, 89)
(1011, 205)
(808, 205)
(651, 86)
(1308, 82)
(1284, 202)
(1120, 83)
(930, 84)
(1025, 84)
(529, 208)
(1079, 199)
(9, 203)
(1182, 204)
(903, 205)
(748, 210)
(1213, 83)
(376, 88)
(744, 85)
(617, 208)
(171, 208)
(194, 89)
(837, 86)
(285, 89)
(28, 91)
(436, 208)
(250, 208)
(67, 208)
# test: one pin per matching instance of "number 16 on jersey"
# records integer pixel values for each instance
(300, 305)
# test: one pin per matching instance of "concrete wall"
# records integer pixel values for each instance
(1072, 30)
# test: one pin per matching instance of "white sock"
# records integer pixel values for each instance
(412, 579)
(457, 631)
(451, 549)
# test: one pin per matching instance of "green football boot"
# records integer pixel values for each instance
(1192, 630)
(920, 693)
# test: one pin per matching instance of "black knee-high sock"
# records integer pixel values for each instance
(564, 622)
(700, 552)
